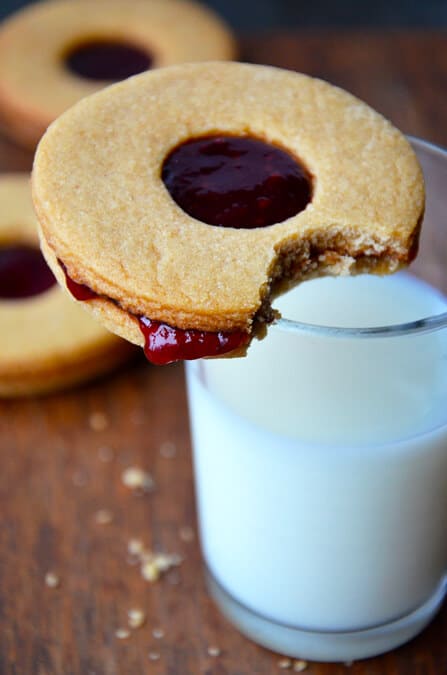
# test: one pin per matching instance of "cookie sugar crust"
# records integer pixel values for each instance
(105, 212)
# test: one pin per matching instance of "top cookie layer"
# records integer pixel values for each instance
(36, 86)
(105, 212)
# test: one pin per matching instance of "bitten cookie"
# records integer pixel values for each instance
(46, 341)
(186, 197)
(55, 52)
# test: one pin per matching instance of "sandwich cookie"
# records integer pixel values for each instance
(175, 205)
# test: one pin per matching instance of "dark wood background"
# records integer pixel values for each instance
(250, 15)
(53, 478)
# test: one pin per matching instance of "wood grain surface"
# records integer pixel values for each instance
(61, 462)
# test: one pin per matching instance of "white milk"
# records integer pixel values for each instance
(321, 463)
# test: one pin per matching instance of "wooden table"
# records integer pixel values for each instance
(61, 462)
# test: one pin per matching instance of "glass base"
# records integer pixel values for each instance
(325, 646)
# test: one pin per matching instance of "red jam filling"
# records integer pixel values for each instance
(107, 60)
(23, 272)
(236, 181)
(78, 291)
(165, 344)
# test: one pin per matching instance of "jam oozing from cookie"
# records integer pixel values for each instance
(165, 344)
(78, 291)
(236, 181)
(107, 60)
(23, 272)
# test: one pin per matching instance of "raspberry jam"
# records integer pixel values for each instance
(78, 291)
(165, 344)
(23, 272)
(107, 60)
(236, 181)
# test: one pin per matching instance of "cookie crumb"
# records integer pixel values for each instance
(300, 666)
(135, 547)
(168, 450)
(187, 534)
(136, 618)
(136, 479)
(158, 633)
(165, 561)
(152, 565)
(135, 550)
(154, 656)
(150, 571)
(213, 651)
(155, 564)
(285, 664)
(103, 517)
(122, 633)
(98, 421)
(105, 454)
(52, 580)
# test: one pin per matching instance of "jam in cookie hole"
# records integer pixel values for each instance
(107, 60)
(23, 272)
(236, 181)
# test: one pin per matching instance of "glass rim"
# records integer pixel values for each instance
(427, 324)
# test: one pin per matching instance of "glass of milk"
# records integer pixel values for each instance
(321, 459)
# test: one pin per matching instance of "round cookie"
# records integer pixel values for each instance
(106, 213)
(44, 47)
(46, 342)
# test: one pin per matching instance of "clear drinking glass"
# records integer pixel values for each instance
(321, 459)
